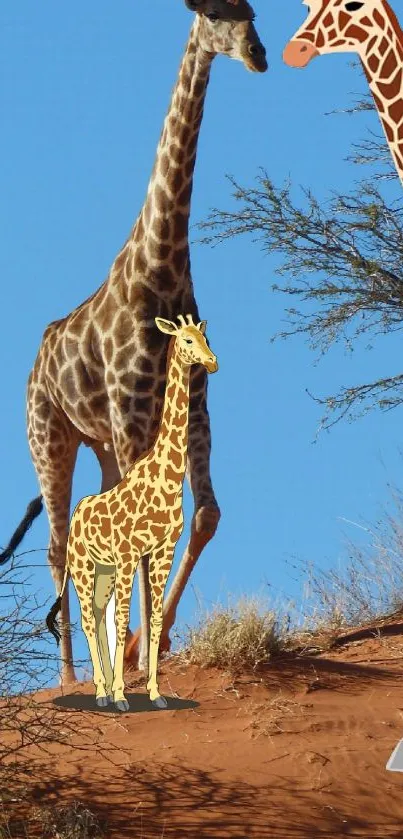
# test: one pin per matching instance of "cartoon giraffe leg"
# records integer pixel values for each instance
(54, 446)
(160, 566)
(104, 585)
(127, 451)
(125, 571)
(84, 582)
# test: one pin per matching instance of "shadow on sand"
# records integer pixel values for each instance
(139, 703)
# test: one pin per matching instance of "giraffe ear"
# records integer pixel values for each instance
(166, 326)
(202, 326)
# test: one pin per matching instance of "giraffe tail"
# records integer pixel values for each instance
(34, 508)
(51, 619)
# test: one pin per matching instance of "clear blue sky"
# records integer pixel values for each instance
(84, 89)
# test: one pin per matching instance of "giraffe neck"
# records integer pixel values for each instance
(161, 231)
(169, 451)
(382, 61)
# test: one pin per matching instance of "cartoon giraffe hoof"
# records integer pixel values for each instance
(102, 701)
(122, 705)
(159, 703)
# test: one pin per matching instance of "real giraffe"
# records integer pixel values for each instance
(99, 377)
(371, 29)
(110, 532)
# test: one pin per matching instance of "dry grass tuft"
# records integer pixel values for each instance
(74, 821)
(236, 637)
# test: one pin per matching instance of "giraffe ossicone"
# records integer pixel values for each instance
(110, 532)
(371, 29)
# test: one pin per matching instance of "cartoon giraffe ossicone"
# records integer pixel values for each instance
(110, 532)
(99, 376)
(371, 29)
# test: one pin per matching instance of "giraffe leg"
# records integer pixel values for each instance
(103, 587)
(85, 583)
(54, 444)
(111, 476)
(207, 514)
(125, 570)
(160, 567)
(127, 451)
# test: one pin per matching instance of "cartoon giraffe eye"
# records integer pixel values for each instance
(353, 7)
(188, 340)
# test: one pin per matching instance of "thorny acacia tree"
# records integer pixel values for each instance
(343, 261)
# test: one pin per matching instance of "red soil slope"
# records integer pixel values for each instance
(296, 751)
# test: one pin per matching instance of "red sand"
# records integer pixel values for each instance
(296, 751)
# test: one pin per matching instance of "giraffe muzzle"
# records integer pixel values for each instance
(255, 57)
(211, 364)
(299, 53)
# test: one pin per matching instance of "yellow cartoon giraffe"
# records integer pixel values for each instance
(110, 532)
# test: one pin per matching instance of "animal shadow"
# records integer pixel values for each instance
(139, 703)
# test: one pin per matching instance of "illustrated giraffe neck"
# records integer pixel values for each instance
(172, 440)
(371, 29)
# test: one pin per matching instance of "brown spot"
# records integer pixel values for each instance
(391, 90)
(378, 18)
(356, 32)
(106, 529)
(373, 63)
(383, 46)
(127, 527)
(396, 110)
(77, 528)
(170, 475)
(343, 20)
(176, 458)
(125, 546)
(119, 518)
(389, 65)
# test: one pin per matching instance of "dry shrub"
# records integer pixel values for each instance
(366, 587)
(74, 821)
(235, 637)
(29, 726)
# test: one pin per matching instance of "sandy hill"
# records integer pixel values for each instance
(298, 750)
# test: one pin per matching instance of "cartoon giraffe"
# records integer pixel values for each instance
(371, 29)
(99, 376)
(141, 515)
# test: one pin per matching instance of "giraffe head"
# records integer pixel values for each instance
(190, 341)
(226, 27)
(337, 26)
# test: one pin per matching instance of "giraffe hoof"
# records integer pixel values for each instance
(102, 701)
(159, 703)
(122, 705)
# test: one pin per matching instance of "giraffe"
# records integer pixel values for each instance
(371, 29)
(141, 515)
(99, 375)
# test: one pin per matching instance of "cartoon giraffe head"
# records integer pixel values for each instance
(226, 27)
(341, 26)
(190, 341)
(371, 29)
